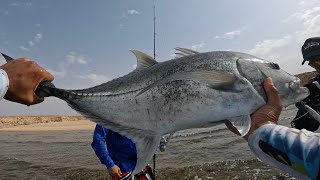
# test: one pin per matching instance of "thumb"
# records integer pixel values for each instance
(272, 92)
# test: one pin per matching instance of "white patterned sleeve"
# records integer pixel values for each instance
(294, 151)
(4, 83)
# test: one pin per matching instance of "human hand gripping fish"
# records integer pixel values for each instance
(25, 76)
(268, 113)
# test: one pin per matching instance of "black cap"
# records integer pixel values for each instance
(310, 49)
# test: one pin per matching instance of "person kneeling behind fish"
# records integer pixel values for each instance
(294, 151)
(119, 154)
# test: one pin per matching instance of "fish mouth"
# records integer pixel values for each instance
(297, 94)
(295, 85)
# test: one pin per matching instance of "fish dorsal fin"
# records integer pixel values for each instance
(213, 79)
(181, 52)
(143, 60)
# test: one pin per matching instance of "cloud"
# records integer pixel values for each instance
(4, 12)
(20, 4)
(31, 43)
(64, 66)
(58, 73)
(15, 4)
(198, 46)
(231, 34)
(74, 57)
(94, 78)
(35, 40)
(125, 16)
(286, 50)
(269, 46)
(22, 48)
(28, 4)
(38, 37)
(133, 12)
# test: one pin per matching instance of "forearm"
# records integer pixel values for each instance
(4, 83)
(291, 150)
(99, 146)
(102, 153)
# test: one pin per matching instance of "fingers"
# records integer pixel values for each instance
(45, 76)
(119, 172)
(272, 92)
(40, 74)
(115, 171)
(269, 113)
(36, 100)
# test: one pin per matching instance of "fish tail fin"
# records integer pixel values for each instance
(6, 57)
(47, 89)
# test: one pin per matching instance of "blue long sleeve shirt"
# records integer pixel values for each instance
(114, 149)
(296, 152)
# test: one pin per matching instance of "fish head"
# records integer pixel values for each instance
(255, 70)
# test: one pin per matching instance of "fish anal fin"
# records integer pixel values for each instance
(146, 141)
(146, 147)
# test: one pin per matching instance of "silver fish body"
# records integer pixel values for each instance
(196, 90)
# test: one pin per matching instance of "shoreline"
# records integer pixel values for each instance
(26, 122)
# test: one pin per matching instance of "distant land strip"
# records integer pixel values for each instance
(9, 121)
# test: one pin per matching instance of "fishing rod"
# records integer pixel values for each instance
(154, 57)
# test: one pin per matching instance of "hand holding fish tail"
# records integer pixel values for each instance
(24, 77)
(269, 113)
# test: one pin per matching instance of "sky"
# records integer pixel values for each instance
(86, 43)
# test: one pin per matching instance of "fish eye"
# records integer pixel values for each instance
(275, 66)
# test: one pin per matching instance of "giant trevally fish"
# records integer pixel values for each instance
(194, 90)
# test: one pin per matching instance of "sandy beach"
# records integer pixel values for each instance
(12, 121)
(53, 126)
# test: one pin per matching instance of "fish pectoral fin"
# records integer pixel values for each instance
(241, 123)
(143, 60)
(213, 79)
